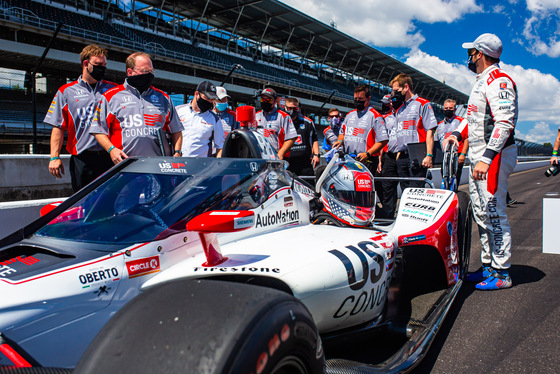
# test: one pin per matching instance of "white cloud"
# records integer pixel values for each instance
(457, 76)
(539, 93)
(385, 23)
(541, 132)
(544, 20)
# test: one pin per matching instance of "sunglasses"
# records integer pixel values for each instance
(267, 99)
(472, 52)
(333, 116)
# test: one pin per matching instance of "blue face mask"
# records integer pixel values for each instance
(221, 106)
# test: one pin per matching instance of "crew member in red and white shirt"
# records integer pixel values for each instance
(449, 124)
(128, 119)
(275, 125)
(416, 123)
(363, 131)
(71, 110)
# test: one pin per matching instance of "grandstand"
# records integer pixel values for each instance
(203, 39)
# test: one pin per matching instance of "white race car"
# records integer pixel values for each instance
(214, 266)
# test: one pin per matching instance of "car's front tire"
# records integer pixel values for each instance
(205, 326)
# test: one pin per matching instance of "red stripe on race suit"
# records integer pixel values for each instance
(115, 131)
(493, 175)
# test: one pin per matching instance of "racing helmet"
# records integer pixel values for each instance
(348, 192)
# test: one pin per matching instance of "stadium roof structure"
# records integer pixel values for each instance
(278, 25)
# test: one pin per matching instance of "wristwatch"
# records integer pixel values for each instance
(179, 152)
(316, 155)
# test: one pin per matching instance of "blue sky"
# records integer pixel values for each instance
(427, 34)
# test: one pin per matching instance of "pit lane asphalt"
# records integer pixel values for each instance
(515, 330)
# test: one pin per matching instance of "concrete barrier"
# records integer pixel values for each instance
(27, 177)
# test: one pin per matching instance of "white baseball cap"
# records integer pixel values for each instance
(488, 44)
(221, 92)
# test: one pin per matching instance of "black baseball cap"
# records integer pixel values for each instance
(208, 89)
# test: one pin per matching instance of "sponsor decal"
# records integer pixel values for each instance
(503, 95)
(412, 239)
(371, 274)
(102, 291)
(278, 218)
(143, 266)
(27, 260)
(363, 182)
(497, 231)
(408, 124)
(253, 166)
(153, 119)
(449, 228)
(503, 86)
(173, 167)
(472, 108)
(298, 140)
(243, 222)
(100, 275)
(298, 187)
(126, 99)
(243, 269)
(288, 201)
(302, 127)
(6, 270)
(155, 99)
(505, 108)
(420, 206)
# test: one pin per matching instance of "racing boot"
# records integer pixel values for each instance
(481, 274)
(498, 280)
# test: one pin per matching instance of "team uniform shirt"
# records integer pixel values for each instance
(446, 128)
(228, 120)
(391, 124)
(276, 126)
(362, 130)
(491, 114)
(307, 135)
(201, 130)
(132, 120)
(72, 110)
(414, 118)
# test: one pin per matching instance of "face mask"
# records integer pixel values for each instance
(360, 104)
(97, 72)
(203, 105)
(385, 108)
(449, 113)
(397, 100)
(267, 107)
(220, 106)
(141, 82)
(471, 64)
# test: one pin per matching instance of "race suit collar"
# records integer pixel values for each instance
(487, 70)
(86, 85)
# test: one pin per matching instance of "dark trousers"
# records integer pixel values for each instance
(372, 164)
(401, 168)
(87, 166)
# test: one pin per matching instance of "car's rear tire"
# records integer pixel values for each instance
(205, 326)
(464, 232)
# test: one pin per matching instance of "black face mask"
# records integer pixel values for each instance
(449, 113)
(267, 107)
(360, 104)
(471, 65)
(204, 105)
(141, 82)
(385, 108)
(397, 100)
(97, 72)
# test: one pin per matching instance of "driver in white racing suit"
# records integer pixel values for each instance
(491, 116)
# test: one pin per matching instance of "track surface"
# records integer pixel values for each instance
(515, 330)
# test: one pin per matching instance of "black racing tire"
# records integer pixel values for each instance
(207, 326)
(464, 232)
